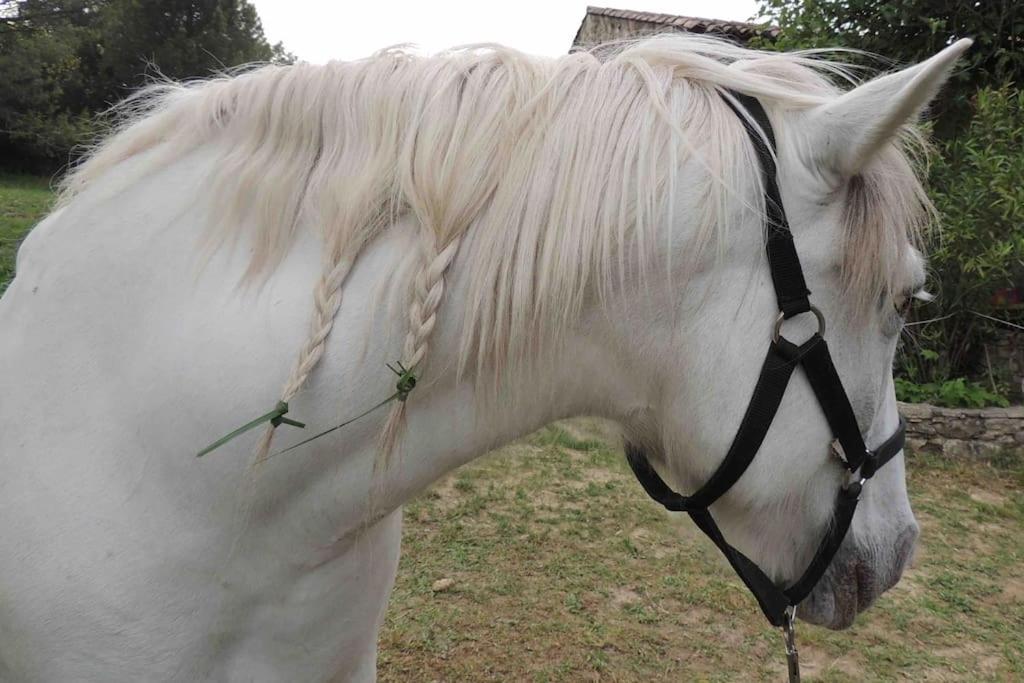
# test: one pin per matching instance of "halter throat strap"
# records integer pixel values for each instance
(782, 358)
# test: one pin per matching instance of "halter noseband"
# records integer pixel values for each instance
(778, 604)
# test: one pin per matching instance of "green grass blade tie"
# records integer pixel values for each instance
(346, 423)
(406, 383)
(274, 417)
(406, 380)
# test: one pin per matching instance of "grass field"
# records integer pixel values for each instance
(544, 561)
(563, 570)
(23, 201)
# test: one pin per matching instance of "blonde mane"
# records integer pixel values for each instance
(561, 166)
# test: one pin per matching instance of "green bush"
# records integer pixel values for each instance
(953, 393)
(908, 32)
(976, 184)
(975, 180)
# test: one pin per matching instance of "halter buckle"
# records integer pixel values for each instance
(777, 330)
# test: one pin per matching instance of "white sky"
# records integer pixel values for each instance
(319, 30)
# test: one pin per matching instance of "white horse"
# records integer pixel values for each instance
(552, 237)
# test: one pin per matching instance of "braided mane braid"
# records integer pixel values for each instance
(326, 302)
(449, 172)
(428, 288)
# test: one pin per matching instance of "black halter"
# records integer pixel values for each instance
(782, 359)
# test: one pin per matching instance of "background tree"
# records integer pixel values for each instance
(180, 39)
(909, 31)
(64, 61)
(977, 256)
(40, 78)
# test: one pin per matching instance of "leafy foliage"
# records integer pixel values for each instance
(910, 31)
(62, 61)
(975, 177)
(39, 68)
(952, 393)
(179, 38)
(976, 186)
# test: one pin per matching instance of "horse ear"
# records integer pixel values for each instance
(851, 129)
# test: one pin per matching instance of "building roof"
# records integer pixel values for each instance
(742, 31)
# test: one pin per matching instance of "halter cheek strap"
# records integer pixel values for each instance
(782, 359)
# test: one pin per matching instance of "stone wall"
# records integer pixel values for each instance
(964, 431)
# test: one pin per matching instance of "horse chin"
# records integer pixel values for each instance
(832, 604)
(854, 582)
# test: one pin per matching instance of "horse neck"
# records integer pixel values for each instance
(452, 420)
(610, 363)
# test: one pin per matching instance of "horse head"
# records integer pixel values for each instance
(855, 207)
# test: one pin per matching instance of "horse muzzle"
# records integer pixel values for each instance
(857, 577)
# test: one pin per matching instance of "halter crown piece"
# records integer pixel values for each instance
(779, 604)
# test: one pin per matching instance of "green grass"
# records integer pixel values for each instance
(23, 201)
(565, 571)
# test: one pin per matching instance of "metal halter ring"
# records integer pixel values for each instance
(777, 331)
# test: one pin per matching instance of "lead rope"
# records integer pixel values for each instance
(789, 638)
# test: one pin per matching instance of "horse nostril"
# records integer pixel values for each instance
(872, 578)
(904, 555)
(905, 545)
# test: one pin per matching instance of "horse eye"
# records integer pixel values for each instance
(904, 303)
(903, 306)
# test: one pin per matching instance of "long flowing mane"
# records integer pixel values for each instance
(563, 167)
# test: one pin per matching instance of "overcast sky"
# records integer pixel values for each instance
(319, 30)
